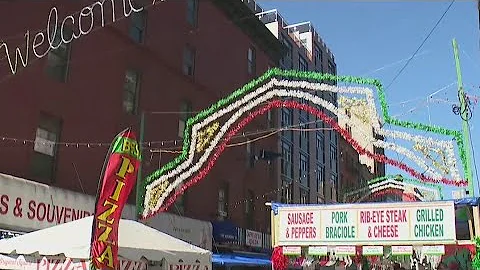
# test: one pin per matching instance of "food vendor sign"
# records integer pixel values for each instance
(364, 224)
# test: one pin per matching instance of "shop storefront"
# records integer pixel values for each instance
(414, 235)
(27, 206)
(238, 248)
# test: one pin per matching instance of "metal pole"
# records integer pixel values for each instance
(139, 173)
(464, 116)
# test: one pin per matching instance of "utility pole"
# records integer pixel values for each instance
(139, 173)
(464, 113)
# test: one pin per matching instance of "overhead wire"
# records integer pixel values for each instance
(421, 45)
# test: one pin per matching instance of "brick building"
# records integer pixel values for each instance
(164, 59)
(309, 165)
(168, 62)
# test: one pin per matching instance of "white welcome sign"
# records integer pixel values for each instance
(81, 24)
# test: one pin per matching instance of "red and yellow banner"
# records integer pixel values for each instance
(118, 181)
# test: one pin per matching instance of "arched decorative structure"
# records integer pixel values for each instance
(422, 191)
(207, 133)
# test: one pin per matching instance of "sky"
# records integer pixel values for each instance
(375, 39)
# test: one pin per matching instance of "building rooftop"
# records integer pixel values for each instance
(269, 16)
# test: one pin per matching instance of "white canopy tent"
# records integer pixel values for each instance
(136, 242)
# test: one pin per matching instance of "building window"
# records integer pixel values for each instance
(320, 147)
(59, 59)
(288, 59)
(250, 154)
(304, 170)
(320, 177)
(138, 25)
(223, 202)
(333, 185)
(45, 148)
(131, 88)
(302, 64)
(318, 58)
(331, 68)
(252, 66)
(287, 159)
(189, 61)
(348, 128)
(303, 113)
(333, 158)
(185, 113)
(287, 123)
(192, 12)
(303, 135)
(287, 191)
(304, 196)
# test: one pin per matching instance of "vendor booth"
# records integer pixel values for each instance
(67, 246)
(409, 235)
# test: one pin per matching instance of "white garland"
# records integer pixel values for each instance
(405, 185)
(254, 99)
(390, 185)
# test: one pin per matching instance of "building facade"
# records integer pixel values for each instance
(68, 105)
(357, 170)
(168, 61)
(309, 165)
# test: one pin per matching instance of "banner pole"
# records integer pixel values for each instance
(139, 174)
(100, 182)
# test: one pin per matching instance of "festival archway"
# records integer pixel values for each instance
(207, 133)
(420, 190)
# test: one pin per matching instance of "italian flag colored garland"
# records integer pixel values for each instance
(172, 179)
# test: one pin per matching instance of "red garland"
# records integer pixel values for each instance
(386, 192)
(319, 114)
(279, 261)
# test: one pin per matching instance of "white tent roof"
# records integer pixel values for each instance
(135, 239)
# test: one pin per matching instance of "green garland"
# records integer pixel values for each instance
(298, 75)
(408, 180)
(476, 259)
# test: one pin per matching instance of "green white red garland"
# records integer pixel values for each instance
(241, 97)
(312, 110)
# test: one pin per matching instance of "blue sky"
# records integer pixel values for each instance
(371, 39)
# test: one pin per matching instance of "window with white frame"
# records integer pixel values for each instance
(287, 60)
(304, 196)
(304, 171)
(189, 61)
(320, 177)
(287, 123)
(333, 158)
(192, 12)
(302, 64)
(130, 91)
(320, 147)
(223, 202)
(318, 57)
(287, 191)
(45, 148)
(287, 159)
(138, 25)
(58, 60)
(251, 59)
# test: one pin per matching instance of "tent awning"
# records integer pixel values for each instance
(232, 259)
(135, 240)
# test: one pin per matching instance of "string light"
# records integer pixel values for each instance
(294, 105)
